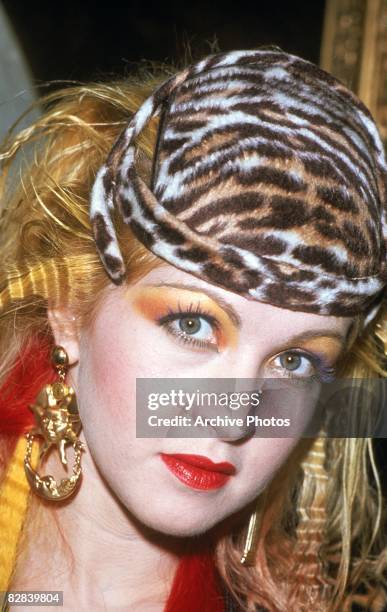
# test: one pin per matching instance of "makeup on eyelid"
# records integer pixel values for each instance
(156, 302)
(324, 352)
(327, 349)
(153, 303)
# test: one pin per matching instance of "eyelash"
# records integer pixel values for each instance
(324, 372)
(180, 313)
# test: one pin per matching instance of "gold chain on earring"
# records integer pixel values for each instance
(381, 333)
(253, 531)
(58, 423)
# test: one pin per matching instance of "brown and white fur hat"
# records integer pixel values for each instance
(269, 180)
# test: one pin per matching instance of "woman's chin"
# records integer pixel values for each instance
(184, 527)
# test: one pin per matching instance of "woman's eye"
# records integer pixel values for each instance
(295, 364)
(191, 325)
(195, 330)
(194, 326)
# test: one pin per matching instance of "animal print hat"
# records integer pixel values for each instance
(269, 180)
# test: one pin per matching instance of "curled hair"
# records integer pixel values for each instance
(321, 520)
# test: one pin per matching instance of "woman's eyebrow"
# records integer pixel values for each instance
(226, 306)
(317, 333)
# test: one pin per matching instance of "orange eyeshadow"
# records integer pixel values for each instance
(156, 302)
(330, 347)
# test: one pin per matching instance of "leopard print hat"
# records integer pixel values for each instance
(269, 180)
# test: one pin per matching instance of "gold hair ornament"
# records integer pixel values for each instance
(58, 423)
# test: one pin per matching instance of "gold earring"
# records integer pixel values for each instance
(381, 333)
(58, 423)
(253, 532)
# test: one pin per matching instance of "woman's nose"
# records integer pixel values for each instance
(241, 370)
(235, 433)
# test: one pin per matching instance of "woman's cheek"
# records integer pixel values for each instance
(261, 458)
(111, 358)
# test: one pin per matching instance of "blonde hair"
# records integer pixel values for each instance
(320, 533)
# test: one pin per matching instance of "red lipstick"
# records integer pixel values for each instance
(197, 471)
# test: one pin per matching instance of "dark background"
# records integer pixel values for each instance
(84, 40)
(69, 40)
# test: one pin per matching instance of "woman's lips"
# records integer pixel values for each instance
(197, 471)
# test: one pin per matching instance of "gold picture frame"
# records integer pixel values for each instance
(354, 49)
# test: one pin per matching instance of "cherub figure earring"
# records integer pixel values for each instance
(58, 423)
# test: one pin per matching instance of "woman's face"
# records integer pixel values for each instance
(172, 324)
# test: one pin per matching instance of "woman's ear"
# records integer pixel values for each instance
(65, 330)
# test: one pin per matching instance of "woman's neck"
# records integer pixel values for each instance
(94, 550)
